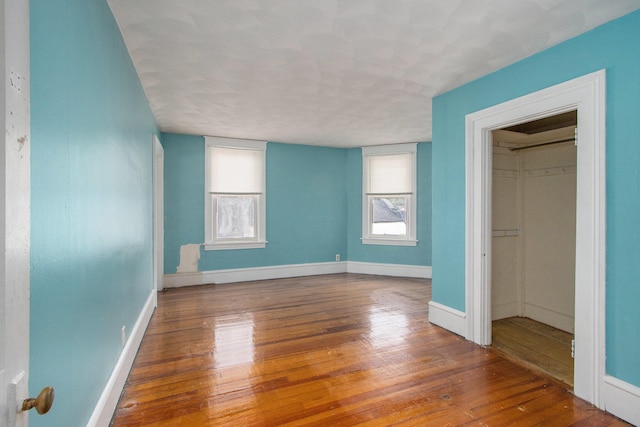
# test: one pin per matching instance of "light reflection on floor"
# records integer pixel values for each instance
(234, 342)
(388, 328)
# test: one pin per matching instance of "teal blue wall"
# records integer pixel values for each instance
(314, 208)
(409, 255)
(614, 47)
(183, 195)
(306, 205)
(91, 165)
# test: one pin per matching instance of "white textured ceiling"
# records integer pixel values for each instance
(331, 72)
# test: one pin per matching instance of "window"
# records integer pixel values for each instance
(388, 200)
(234, 193)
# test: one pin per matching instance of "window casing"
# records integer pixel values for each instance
(389, 195)
(234, 193)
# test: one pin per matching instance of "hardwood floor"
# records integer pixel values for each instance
(337, 350)
(535, 344)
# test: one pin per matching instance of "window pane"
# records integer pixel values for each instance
(389, 216)
(235, 217)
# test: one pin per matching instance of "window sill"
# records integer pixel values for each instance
(234, 245)
(390, 242)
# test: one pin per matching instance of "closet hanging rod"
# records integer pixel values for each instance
(544, 143)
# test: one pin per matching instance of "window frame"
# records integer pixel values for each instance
(368, 238)
(210, 205)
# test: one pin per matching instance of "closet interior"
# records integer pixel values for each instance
(533, 243)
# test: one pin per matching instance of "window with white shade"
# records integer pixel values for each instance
(234, 193)
(388, 199)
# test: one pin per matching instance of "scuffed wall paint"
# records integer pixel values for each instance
(189, 256)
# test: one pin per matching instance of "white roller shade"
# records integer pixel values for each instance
(235, 170)
(390, 174)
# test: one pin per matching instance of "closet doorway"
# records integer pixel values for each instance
(533, 243)
(586, 95)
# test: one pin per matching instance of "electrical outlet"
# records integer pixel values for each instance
(337, 257)
(124, 334)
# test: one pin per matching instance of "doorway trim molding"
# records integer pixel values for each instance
(587, 95)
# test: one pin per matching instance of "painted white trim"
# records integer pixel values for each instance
(179, 280)
(504, 310)
(448, 318)
(388, 242)
(549, 317)
(15, 211)
(253, 273)
(106, 406)
(587, 95)
(621, 399)
(395, 270)
(234, 245)
(293, 270)
(478, 160)
(375, 150)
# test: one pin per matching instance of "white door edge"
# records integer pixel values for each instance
(15, 194)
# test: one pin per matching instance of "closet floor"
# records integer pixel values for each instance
(536, 345)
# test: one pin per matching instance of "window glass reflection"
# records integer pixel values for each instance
(234, 342)
(387, 327)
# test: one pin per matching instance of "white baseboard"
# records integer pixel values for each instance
(549, 317)
(448, 318)
(622, 399)
(395, 270)
(253, 273)
(178, 280)
(293, 270)
(106, 406)
(504, 310)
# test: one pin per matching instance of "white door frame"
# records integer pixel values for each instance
(158, 214)
(587, 95)
(15, 194)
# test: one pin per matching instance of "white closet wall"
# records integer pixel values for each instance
(505, 270)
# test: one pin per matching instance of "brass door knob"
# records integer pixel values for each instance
(42, 403)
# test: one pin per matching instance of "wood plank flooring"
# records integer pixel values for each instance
(338, 350)
(535, 344)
